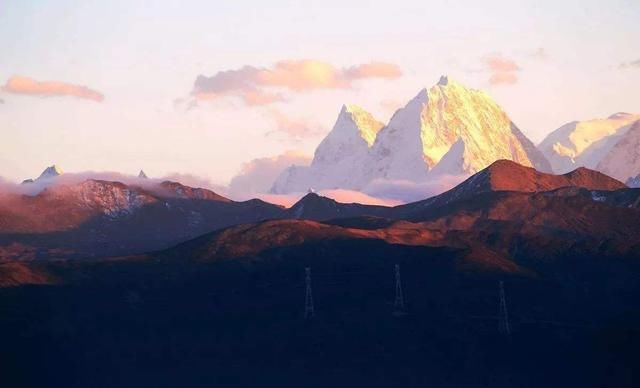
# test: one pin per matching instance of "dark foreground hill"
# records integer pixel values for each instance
(169, 321)
(228, 308)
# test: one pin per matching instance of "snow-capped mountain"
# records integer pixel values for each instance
(634, 182)
(48, 173)
(623, 159)
(585, 143)
(340, 158)
(98, 217)
(447, 129)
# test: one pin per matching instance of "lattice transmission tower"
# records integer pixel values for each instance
(503, 314)
(309, 311)
(398, 304)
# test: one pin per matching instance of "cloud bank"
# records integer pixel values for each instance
(257, 175)
(262, 86)
(30, 87)
(409, 191)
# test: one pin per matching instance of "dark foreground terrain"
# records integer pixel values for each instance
(227, 308)
(152, 323)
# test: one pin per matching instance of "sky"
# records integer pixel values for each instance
(212, 89)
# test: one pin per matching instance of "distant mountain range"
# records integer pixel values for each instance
(450, 129)
(98, 218)
(447, 129)
(508, 214)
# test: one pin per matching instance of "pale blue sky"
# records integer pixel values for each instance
(143, 55)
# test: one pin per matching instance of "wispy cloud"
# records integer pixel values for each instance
(261, 86)
(502, 70)
(631, 64)
(30, 87)
(294, 129)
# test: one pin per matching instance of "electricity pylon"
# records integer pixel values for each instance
(503, 315)
(398, 304)
(309, 311)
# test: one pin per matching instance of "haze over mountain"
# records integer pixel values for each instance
(446, 130)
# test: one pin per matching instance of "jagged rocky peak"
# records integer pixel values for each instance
(458, 129)
(48, 173)
(142, 175)
(353, 118)
(339, 159)
(422, 133)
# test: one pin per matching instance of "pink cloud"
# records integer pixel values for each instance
(31, 87)
(375, 70)
(350, 196)
(408, 191)
(340, 195)
(502, 70)
(286, 200)
(260, 86)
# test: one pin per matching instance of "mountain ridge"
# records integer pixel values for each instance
(446, 129)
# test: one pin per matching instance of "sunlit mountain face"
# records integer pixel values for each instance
(406, 194)
(447, 130)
